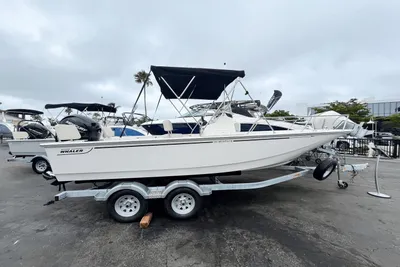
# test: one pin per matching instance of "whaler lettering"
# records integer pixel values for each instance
(69, 151)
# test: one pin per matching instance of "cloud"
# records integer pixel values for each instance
(87, 51)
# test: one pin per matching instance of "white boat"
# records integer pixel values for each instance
(120, 126)
(249, 115)
(29, 136)
(246, 113)
(220, 147)
(6, 130)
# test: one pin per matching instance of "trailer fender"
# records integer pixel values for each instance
(202, 191)
(134, 186)
(39, 156)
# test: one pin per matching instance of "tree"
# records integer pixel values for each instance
(68, 111)
(112, 104)
(394, 118)
(390, 123)
(36, 117)
(96, 116)
(141, 120)
(356, 110)
(279, 113)
(137, 120)
(52, 121)
(142, 77)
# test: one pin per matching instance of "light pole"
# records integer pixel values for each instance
(372, 123)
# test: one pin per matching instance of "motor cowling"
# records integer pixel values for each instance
(88, 128)
(35, 130)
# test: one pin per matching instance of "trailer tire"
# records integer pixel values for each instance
(182, 203)
(40, 165)
(324, 169)
(127, 206)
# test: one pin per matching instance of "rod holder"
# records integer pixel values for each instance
(378, 193)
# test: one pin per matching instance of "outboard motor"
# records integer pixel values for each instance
(35, 130)
(88, 128)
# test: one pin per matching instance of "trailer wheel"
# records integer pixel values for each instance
(343, 185)
(126, 206)
(324, 169)
(182, 203)
(40, 165)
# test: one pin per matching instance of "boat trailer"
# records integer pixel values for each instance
(128, 201)
(40, 163)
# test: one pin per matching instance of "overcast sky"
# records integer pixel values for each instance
(87, 51)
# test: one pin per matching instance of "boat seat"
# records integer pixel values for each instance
(107, 132)
(67, 132)
(168, 127)
(222, 125)
(20, 135)
(237, 127)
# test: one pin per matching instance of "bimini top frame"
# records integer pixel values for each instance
(194, 83)
(23, 112)
(190, 83)
(82, 107)
(206, 84)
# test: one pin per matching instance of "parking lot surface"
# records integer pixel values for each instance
(303, 222)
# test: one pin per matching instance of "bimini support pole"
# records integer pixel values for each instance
(378, 193)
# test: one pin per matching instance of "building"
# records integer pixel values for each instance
(377, 108)
(383, 108)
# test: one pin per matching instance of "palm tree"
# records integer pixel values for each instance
(112, 104)
(68, 111)
(52, 121)
(142, 77)
(96, 116)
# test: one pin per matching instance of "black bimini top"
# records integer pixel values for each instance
(23, 112)
(208, 84)
(83, 107)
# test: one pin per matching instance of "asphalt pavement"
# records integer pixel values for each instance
(303, 222)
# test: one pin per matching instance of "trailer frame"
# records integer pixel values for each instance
(186, 194)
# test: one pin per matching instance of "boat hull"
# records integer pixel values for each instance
(165, 156)
(29, 147)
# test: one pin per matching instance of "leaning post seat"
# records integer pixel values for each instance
(107, 132)
(20, 135)
(88, 128)
(65, 132)
(222, 125)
